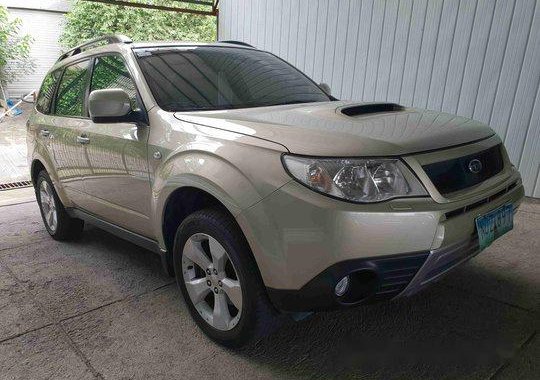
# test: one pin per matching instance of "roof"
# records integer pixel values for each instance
(119, 43)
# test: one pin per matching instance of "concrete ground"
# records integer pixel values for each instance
(102, 308)
(13, 164)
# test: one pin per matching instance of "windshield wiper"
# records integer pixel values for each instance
(295, 102)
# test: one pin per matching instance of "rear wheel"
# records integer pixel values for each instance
(219, 279)
(57, 222)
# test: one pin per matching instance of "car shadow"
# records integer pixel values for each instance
(107, 244)
(442, 332)
(446, 331)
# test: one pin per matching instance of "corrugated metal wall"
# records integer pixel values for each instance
(45, 27)
(479, 59)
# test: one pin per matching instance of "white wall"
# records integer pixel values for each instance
(476, 58)
(44, 21)
(47, 5)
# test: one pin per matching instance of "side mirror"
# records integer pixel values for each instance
(325, 87)
(110, 106)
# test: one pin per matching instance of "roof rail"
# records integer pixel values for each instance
(108, 39)
(237, 43)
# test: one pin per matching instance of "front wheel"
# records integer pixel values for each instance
(219, 279)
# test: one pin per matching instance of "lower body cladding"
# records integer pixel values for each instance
(320, 255)
(374, 280)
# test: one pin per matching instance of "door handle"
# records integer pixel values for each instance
(83, 139)
(44, 133)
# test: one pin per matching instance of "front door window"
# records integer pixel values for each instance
(111, 72)
(72, 91)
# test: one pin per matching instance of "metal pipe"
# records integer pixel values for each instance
(159, 7)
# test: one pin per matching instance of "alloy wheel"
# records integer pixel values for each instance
(212, 282)
(48, 205)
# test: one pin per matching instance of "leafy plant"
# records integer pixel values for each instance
(15, 58)
(87, 20)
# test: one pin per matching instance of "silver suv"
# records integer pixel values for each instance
(262, 193)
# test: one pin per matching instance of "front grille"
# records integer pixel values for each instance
(465, 209)
(453, 175)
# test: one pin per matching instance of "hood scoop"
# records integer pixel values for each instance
(369, 108)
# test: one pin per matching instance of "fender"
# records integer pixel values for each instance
(204, 171)
(219, 162)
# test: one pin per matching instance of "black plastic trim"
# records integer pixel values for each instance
(121, 232)
(465, 209)
(370, 108)
(393, 274)
(138, 117)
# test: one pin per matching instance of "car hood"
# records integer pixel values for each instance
(321, 129)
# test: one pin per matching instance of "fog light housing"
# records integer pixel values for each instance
(342, 286)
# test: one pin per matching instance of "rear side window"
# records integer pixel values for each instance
(43, 103)
(72, 90)
(110, 72)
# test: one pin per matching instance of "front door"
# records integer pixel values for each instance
(117, 185)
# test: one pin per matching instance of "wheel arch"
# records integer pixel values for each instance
(181, 203)
(201, 175)
(190, 180)
(40, 163)
(36, 167)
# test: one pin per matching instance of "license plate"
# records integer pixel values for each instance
(494, 224)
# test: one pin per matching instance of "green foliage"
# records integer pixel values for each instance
(88, 20)
(14, 49)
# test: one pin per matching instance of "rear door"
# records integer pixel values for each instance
(68, 122)
(117, 185)
(41, 127)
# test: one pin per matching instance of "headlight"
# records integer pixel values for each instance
(356, 180)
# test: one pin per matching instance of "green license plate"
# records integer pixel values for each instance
(494, 224)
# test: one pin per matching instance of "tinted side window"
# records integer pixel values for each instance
(72, 90)
(43, 103)
(110, 72)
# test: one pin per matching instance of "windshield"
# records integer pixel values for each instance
(215, 78)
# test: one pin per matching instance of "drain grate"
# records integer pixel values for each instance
(15, 185)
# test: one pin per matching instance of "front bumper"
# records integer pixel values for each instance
(304, 243)
(375, 280)
(372, 280)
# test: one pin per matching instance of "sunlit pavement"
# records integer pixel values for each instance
(13, 162)
(102, 308)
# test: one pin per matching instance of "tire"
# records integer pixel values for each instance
(58, 223)
(256, 317)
